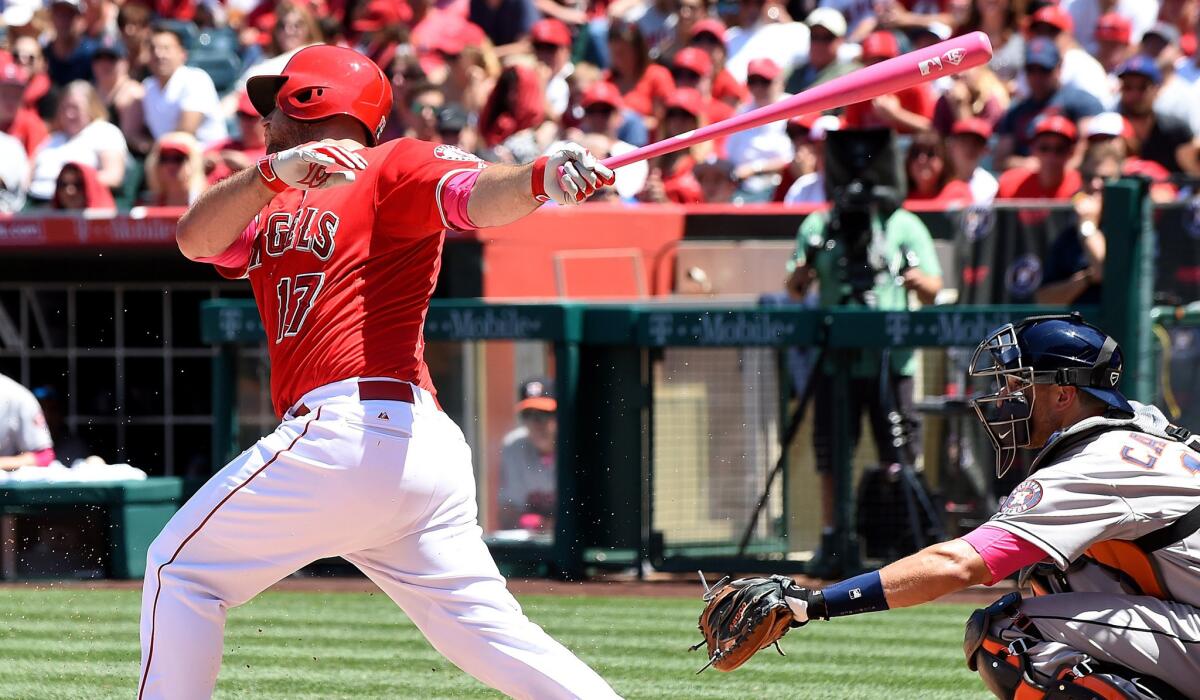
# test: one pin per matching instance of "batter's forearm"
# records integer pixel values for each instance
(933, 572)
(220, 215)
(502, 194)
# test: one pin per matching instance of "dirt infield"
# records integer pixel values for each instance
(655, 586)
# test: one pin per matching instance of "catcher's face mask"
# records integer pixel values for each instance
(1006, 412)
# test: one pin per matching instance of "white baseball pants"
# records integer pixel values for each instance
(386, 484)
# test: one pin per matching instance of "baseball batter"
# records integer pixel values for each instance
(341, 239)
(1105, 528)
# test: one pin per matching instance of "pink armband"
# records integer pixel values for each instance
(43, 458)
(1002, 551)
(452, 200)
(238, 252)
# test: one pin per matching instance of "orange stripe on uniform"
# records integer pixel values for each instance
(158, 575)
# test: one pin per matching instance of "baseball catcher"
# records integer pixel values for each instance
(1104, 530)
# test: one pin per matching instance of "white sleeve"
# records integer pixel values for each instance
(199, 94)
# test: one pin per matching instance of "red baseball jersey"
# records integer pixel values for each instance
(343, 276)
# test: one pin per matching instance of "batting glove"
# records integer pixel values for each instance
(306, 167)
(569, 175)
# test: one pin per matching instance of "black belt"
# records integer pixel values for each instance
(374, 391)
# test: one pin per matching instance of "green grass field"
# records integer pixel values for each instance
(77, 643)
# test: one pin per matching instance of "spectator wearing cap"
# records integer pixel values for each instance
(929, 175)
(1086, 14)
(1077, 68)
(907, 111)
(760, 153)
(69, 53)
(644, 86)
(1046, 96)
(1110, 128)
(528, 480)
(708, 35)
(551, 41)
(1114, 41)
(1159, 137)
(1049, 177)
(975, 93)
(764, 31)
(1075, 261)
(810, 187)
(78, 188)
(239, 152)
(512, 116)
(22, 18)
(671, 178)
(175, 174)
(506, 22)
(1161, 43)
(294, 28)
(826, 36)
(718, 184)
(119, 92)
(16, 119)
(605, 113)
(82, 134)
(966, 146)
(178, 97)
(692, 68)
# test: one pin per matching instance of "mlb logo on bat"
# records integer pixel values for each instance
(929, 64)
(955, 56)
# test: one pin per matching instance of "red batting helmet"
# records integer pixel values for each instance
(323, 81)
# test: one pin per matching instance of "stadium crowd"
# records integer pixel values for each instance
(114, 103)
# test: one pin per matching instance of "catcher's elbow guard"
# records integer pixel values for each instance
(1006, 670)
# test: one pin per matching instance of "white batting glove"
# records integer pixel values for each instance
(307, 167)
(569, 175)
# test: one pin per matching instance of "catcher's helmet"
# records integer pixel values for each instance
(1062, 350)
(323, 81)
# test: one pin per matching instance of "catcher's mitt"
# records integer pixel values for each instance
(743, 616)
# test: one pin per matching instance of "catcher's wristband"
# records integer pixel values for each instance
(537, 182)
(266, 173)
(861, 594)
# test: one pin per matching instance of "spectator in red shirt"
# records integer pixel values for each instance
(908, 111)
(708, 35)
(644, 85)
(929, 175)
(16, 119)
(1054, 140)
(693, 69)
(513, 111)
(671, 178)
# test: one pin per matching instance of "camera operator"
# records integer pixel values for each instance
(866, 251)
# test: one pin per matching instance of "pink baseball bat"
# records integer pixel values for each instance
(930, 63)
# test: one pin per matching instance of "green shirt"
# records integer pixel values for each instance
(902, 232)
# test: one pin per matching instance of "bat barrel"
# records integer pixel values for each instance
(923, 65)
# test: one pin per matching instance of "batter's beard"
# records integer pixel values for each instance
(290, 133)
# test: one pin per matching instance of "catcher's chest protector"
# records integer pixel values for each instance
(1006, 671)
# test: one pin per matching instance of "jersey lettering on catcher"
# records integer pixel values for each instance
(343, 276)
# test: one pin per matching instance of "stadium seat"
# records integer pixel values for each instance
(220, 41)
(187, 30)
(224, 68)
(126, 195)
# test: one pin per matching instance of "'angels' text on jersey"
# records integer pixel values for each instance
(315, 234)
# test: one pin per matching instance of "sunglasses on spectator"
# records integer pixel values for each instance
(757, 81)
(537, 416)
(1059, 150)
(705, 39)
(1037, 70)
(543, 47)
(599, 110)
(683, 75)
(679, 114)
(822, 37)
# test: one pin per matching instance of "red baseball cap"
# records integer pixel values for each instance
(245, 105)
(972, 127)
(380, 14)
(880, 44)
(763, 68)
(695, 60)
(603, 92)
(1058, 125)
(688, 100)
(1054, 16)
(550, 31)
(804, 121)
(171, 145)
(709, 25)
(1114, 27)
